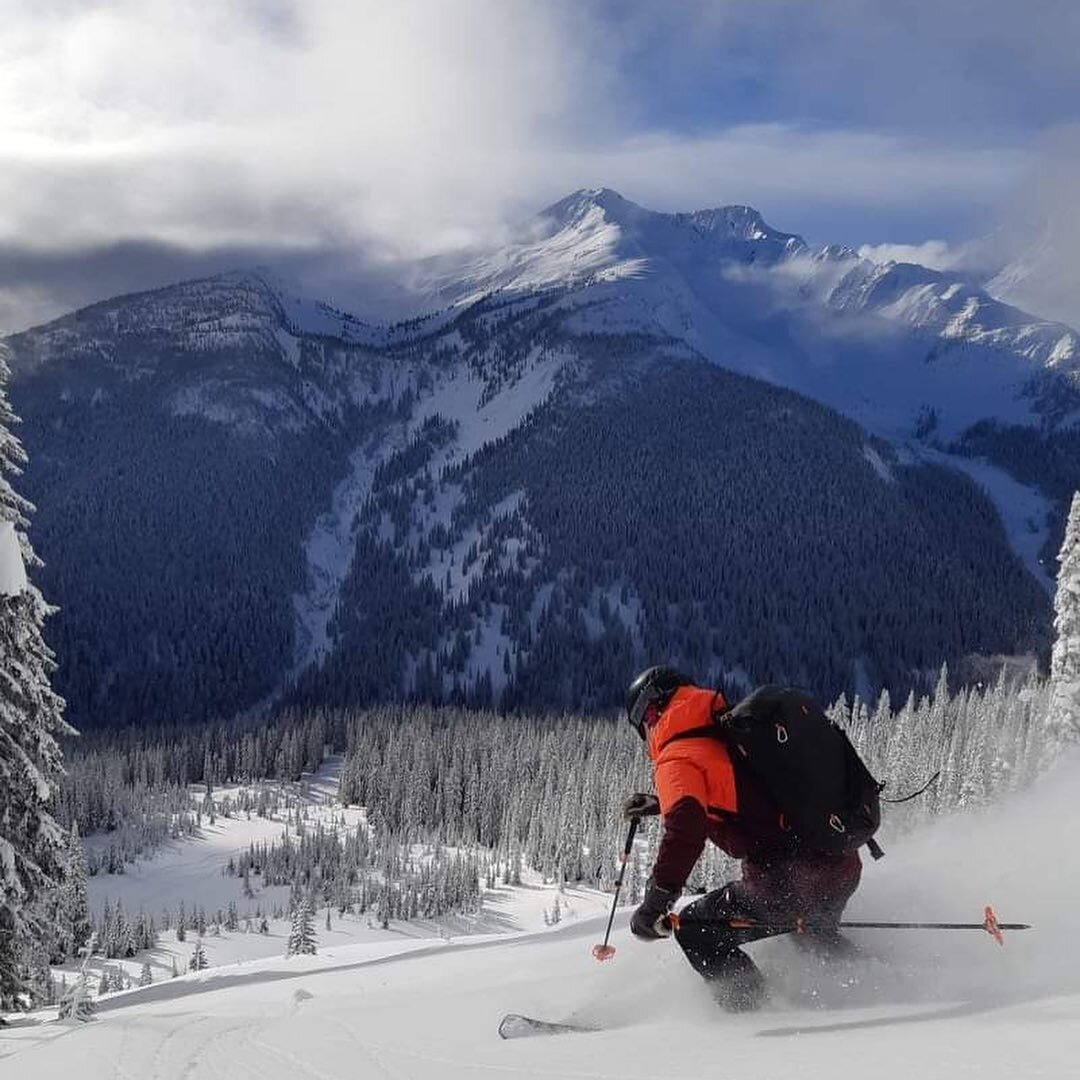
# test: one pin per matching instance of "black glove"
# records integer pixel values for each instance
(647, 923)
(640, 805)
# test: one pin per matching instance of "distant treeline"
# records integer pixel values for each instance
(532, 791)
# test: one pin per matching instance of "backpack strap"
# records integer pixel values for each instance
(706, 731)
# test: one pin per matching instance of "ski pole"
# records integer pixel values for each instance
(606, 951)
(989, 924)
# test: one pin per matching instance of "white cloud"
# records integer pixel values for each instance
(406, 127)
(935, 254)
(779, 168)
(217, 123)
(26, 305)
(1038, 237)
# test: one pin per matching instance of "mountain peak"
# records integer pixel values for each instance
(722, 224)
(597, 234)
(572, 209)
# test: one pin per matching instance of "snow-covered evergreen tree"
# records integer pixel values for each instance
(302, 935)
(73, 926)
(198, 960)
(75, 1001)
(556, 913)
(1063, 718)
(42, 983)
(31, 716)
(146, 976)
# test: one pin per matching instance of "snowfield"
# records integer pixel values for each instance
(920, 1005)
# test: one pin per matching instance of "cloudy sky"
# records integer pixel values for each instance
(142, 141)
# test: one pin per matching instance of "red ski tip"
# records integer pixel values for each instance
(603, 952)
(990, 923)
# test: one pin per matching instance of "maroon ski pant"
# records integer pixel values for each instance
(778, 893)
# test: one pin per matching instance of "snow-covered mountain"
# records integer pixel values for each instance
(882, 342)
(621, 435)
(597, 235)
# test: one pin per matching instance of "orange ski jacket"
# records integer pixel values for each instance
(695, 784)
(698, 769)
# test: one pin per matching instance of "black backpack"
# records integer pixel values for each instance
(825, 798)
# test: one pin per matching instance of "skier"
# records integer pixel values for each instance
(703, 792)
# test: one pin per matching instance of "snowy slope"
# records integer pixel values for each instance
(931, 1005)
(189, 871)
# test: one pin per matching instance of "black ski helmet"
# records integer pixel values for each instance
(654, 686)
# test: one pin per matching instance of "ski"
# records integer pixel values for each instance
(515, 1026)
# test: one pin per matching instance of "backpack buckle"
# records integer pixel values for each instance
(836, 824)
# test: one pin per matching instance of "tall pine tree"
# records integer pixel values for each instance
(198, 960)
(31, 716)
(302, 935)
(75, 1002)
(1063, 718)
(73, 925)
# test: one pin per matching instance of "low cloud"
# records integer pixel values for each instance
(935, 254)
(1037, 241)
(801, 179)
(244, 123)
(37, 286)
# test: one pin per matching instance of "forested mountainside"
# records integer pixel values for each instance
(635, 437)
(741, 530)
(178, 459)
